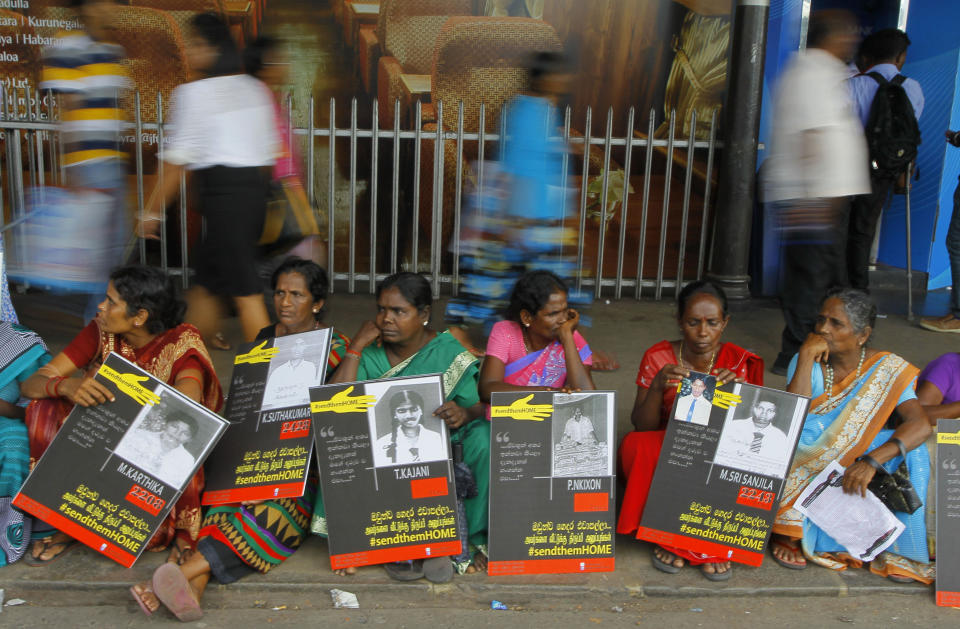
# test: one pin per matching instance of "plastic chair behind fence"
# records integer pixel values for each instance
(407, 31)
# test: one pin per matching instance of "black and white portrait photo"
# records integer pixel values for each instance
(403, 428)
(695, 399)
(300, 363)
(758, 433)
(166, 439)
(582, 434)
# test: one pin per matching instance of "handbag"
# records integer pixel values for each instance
(895, 490)
(289, 217)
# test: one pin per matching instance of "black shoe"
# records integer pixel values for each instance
(438, 569)
(405, 570)
(778, 370)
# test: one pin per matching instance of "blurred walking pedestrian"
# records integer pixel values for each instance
(817, 161)
(223, 130)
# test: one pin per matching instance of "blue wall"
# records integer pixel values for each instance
(933, 61)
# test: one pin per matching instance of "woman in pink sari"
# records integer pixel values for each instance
(537, 347)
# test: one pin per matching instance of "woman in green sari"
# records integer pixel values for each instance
(400, 342)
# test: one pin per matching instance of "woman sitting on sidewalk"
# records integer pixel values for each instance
(855, 391)
(702, 317)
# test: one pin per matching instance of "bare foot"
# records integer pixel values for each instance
(787, 552)
(143, 594)
(479, 564)
(345, 572)
(716, 571)
(668, 559)
(49, 548)
(180, 552)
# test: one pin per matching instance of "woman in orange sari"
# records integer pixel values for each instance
(702, 317)
(141, 319)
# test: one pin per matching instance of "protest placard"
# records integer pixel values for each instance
(385, 471)
(720, 476)
(552, 485)
(266, 452)
(947, 472)
(114, 471)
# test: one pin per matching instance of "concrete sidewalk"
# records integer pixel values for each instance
(625, 328)
(84, 578)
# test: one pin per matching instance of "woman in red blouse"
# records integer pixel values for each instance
(702, 317)
(141, 319)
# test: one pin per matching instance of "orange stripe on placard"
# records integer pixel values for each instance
(551, 566)
(386, 555)
(591, 502)
(267, 492)
(74, 530)
(702, 546)
(948, 599)
(429, 487)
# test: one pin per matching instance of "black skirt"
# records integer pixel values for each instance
(233, 202)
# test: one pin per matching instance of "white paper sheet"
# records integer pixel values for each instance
(863, 525)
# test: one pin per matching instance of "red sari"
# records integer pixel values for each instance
(639, 451)
(164, 357)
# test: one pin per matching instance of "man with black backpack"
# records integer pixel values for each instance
(889, 105)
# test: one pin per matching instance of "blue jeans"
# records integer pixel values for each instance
(953, 249)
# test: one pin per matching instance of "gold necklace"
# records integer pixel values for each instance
(683, 362)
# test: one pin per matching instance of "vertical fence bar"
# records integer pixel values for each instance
(395, 189)
(17, 160)
(28, 137)
(624, 198)
(31, 136)
(8, 151)
(481, 154)
(42, 170)
(351, 275)
(184, 253)
(52, 140)
(311, 156)
(502, 150)
(705, 221)
(688, 178)
(584, 180)
(647, 170)
(604, 181)
(138, 157)
(374, 155)
(415, 217)
(664, 218)
(456, 202)
(331, 189)
(436, 217)
(163, 199)
(565, 167)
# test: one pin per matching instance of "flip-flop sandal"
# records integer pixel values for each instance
(173, 590)
(662, 565)
(792, 565)
(138, 597)
(438, 569)
(66, 546)
(896, 578)
(716, 576)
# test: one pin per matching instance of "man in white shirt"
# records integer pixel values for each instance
(694, 408)
(289, 384)
(817, 160)
(161, 453)
(579, 430)
(755, 444)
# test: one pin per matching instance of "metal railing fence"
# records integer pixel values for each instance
(647, 242)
